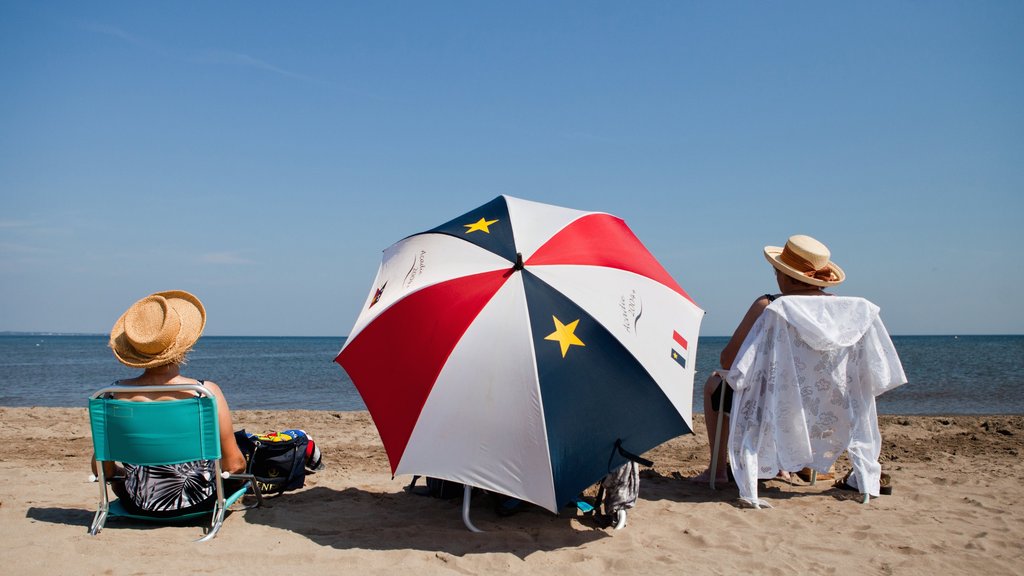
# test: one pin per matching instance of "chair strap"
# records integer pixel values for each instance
(627, 455)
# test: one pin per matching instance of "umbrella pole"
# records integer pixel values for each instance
(467, 492)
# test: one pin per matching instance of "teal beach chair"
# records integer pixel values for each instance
(159, 433)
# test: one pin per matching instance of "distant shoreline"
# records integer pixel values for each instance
(321, 411)
(947, 374)
(99, 334)
(104, 335)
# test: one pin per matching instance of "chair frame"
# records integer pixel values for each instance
(174, 431)
(718, 430)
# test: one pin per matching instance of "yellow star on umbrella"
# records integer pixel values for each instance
(481, 225)
(565, 335)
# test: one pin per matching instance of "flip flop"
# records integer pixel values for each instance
(843, 483)
(805, 475)
(884, 484)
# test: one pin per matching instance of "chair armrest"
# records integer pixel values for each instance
(252, 482)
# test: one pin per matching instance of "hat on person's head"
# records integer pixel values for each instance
(806, 260)
(159, 329)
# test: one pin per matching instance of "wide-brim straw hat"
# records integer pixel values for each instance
(159, 329)
(806, 260)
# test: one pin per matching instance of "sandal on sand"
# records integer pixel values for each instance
(843, 483)
(805, 475)
(884, 484)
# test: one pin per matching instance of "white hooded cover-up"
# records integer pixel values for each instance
(805, 382)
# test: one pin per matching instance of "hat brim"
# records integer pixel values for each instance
(773, 253)
(193, 319)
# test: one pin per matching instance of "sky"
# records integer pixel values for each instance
(263, 154)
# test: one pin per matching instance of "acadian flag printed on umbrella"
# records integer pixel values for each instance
(511, 347)
(679, 349)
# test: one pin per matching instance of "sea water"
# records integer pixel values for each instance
(947, 374)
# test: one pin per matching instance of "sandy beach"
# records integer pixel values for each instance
(955, 509)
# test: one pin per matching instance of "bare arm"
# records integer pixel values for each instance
(110, 469)
(733, 347)
(231, 458)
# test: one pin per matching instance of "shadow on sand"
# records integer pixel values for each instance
(674, 488)
(67, 516)
(82, 517)
(354, 518)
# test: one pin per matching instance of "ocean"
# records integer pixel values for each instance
(947, 374)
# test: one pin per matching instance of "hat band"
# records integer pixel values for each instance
(806, 267)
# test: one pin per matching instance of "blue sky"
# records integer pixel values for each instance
(261, 155)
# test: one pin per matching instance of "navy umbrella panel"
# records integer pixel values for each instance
(487, 227)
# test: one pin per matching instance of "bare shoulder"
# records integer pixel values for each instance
(212, 387)
(758, 306)
(755, 311)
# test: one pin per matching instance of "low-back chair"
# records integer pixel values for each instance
(160, 433)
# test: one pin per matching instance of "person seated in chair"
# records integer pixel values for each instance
(155, 334)
(802, 267)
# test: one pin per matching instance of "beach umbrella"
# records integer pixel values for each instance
(513, 347)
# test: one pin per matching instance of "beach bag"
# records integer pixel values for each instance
(279, 461)
(620, 488)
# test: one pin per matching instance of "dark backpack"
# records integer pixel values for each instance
(437, 488)
(279, 460)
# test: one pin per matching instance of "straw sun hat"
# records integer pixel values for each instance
(159, 329)
(806, 260)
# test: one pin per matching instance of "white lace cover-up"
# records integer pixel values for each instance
(805, 382)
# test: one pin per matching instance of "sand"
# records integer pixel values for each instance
(955, 509)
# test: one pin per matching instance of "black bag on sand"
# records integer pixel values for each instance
(279, 460)
(449, 490)
(436, 488)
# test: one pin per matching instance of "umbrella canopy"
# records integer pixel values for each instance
(510, 348)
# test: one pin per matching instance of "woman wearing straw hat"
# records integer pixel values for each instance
(802, 267)
(155, 334)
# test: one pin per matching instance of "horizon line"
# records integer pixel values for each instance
(59, 334)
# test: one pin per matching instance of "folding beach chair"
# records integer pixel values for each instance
(805, 381)
(160, 433)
